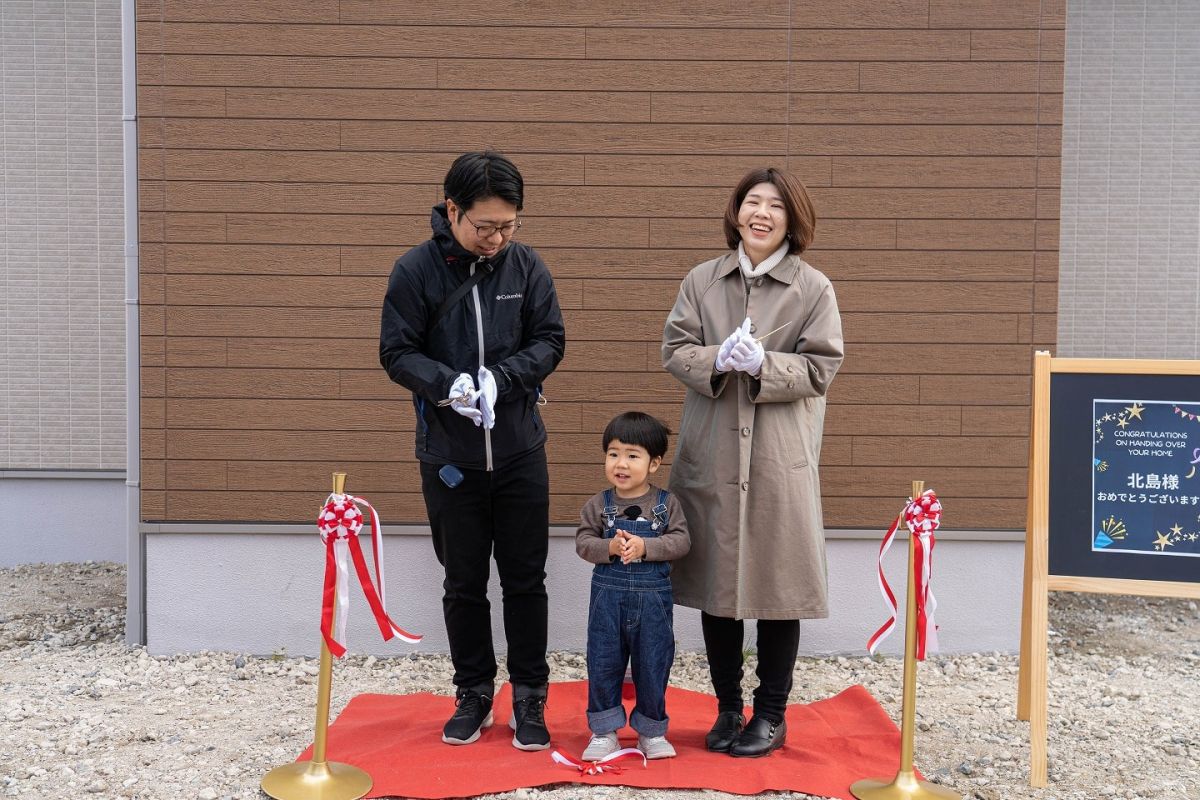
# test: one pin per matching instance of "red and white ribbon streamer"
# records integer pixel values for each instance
(922, 516)
(339, 522)
(607, 764)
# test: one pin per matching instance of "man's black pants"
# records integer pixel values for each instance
(505, 512)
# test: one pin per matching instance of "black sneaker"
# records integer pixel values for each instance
(473, 713)
(529, 723)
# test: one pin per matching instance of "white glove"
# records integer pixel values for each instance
(463, 397)
(722, 363)
(487, 398)
(747, 355)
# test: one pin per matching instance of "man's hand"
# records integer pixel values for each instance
(487, 398)
(463, 398)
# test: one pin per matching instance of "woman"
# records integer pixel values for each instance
(756, 338)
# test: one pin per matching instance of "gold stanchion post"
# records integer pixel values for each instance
(906, 785)
(319, 779)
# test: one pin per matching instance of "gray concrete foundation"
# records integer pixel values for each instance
(261, 593)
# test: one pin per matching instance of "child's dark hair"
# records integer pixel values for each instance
(634, 427)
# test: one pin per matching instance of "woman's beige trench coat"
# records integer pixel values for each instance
(745, 469)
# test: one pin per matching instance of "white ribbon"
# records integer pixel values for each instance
(601, 766)
(341, 606)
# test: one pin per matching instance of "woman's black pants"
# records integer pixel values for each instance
(778, 643)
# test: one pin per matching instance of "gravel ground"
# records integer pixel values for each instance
(85, 715)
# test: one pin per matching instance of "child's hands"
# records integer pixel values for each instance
(633, 548)
(616, 545)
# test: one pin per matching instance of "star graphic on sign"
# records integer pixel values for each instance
(1107, 417)
(1193, 536)
(1122, 422)
(1176, 529)
(1135, 410)
(1162, 542)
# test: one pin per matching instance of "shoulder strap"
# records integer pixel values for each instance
(610, 509)
(459, 293)
(660, 510)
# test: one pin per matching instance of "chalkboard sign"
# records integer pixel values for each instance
(1114, 498)
(1124, 477)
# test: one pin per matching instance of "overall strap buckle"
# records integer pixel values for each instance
(660, 511)
(610, 509)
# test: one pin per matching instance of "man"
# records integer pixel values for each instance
(471, 326)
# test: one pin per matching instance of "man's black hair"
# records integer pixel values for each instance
(482, 175)
(634, 427)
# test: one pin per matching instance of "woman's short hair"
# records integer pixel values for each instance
(802, 219)
(636, 427)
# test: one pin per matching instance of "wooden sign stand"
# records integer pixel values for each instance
(1031, 687)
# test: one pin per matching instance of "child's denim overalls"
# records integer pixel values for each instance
(630, 620)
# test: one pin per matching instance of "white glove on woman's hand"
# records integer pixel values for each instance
(487, 398)
(723, 363)
(463, 397)
(747, 355)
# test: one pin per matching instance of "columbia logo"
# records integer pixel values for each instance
(516, 296)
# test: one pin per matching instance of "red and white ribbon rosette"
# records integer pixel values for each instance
(339, 522)
(607, 764)
(922, 516)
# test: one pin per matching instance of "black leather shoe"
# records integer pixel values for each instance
(761, 737)
(727, 727)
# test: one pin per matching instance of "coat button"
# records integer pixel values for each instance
(791, 384)
(753, 328)
(687, 367)
(745, 431)
(745, 486)
(758, 281)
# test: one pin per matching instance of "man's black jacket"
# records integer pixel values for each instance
(521, 327)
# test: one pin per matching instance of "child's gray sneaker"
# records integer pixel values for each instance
(655, 747)
(601, 745)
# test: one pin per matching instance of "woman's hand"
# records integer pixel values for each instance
(723, 362)
(747, 355)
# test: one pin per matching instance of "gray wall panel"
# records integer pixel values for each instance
(62, 403)
(1130, 259)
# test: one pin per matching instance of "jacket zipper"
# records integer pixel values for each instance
(487, 435)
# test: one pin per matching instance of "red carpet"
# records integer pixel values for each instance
(397, 739)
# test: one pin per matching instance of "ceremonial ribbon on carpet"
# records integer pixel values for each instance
(339, 522)
(607, 764)
(922, 516)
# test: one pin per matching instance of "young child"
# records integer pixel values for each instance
(631, 532)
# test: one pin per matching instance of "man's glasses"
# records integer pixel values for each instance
(488, 231)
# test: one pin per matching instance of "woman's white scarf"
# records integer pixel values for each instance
(765, 266)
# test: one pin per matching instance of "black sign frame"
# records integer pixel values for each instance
(1062, 423)
(1085, 407)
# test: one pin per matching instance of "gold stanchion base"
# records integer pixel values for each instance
(316, 780)
(905, 786)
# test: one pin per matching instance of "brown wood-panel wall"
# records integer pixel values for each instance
(290, 151)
